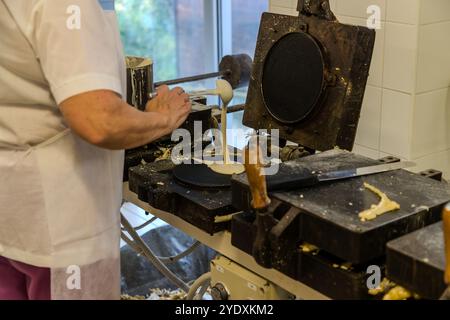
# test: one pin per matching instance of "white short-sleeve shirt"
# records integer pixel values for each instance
(51, 50)
(59, 196)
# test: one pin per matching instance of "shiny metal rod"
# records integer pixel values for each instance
(193, 78)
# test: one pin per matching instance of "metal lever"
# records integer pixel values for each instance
(224, 73)
(260, 204)
(236, 69)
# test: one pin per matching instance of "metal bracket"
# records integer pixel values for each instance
(318, 8)
(433, 174)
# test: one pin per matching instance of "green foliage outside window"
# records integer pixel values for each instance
(148, 30)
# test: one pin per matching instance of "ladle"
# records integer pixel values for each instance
(223, 90)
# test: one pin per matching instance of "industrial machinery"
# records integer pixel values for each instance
(233, 68)
(421, 260)
(308, 80)
(230, 281)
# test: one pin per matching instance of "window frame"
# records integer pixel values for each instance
(221, 22)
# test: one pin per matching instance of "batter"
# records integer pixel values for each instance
(397, 294)
(225, 91)
(386, 205)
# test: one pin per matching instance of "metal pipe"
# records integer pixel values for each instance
(201, 283)
(151, 256)
(193, 78)
(236, 108)
(184, 254)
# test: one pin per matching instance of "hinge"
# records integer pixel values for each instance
(317, 8)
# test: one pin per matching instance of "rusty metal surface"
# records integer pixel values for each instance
(331, 211)
(154, 184)
(347, 52)
(417, 261)
(319, 8)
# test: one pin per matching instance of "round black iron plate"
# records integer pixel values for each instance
(293, 78)
(201, 176)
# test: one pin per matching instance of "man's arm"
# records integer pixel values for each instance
(102, 118)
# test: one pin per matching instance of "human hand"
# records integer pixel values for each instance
(173, 105)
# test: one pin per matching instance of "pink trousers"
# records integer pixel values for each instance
(19, 281)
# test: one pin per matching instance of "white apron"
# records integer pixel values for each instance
(64, 195)
(60, 199)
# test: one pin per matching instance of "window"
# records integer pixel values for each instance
(238, 30)
(240, 25)
(188, 37)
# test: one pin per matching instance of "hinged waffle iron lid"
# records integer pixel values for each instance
(309, 77)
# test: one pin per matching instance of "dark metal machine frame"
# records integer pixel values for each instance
(347, 53)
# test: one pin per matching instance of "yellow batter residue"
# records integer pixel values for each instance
(392, 291)
(385, 285)
(128, 297)
(347, 266)
(386, 205)
(165, 154)
(226, 94)
(308, 248)
(228, 169)
(398, 293)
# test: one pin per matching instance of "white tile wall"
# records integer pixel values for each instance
(406, 110)
(358, 8)
(433, 65)
(288, 7)
(396, 123)
(440, 161)
(403, 11)
(371, 119)
(400, 52)
(431, 126)
(432, 11)
(367, 152)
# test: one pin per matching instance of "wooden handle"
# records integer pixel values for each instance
(446, 219)
(256, 179)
